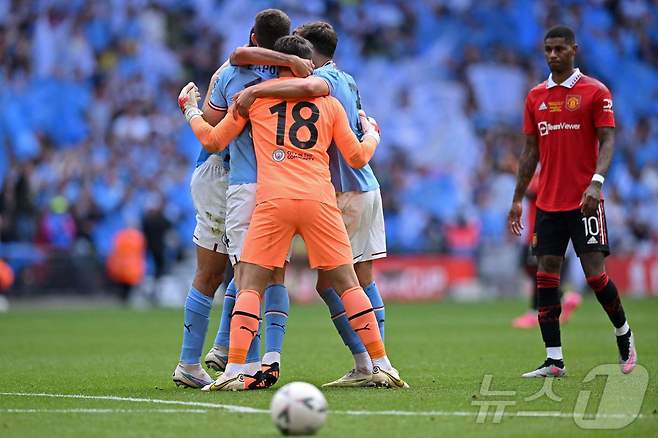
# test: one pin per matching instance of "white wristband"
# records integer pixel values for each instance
(598, 178)
(374, 135)
(192, 112)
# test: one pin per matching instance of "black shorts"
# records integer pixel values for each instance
(554, 229)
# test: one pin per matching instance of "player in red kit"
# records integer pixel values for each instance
(569, 126)
(571, 299)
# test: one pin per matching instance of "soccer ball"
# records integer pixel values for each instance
(298, 408)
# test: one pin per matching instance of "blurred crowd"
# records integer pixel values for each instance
(91, 140)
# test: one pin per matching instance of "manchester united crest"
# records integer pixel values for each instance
(573, 102)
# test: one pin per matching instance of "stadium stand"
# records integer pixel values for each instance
(90, 136)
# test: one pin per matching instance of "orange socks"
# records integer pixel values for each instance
(362, 320)
(244, 325)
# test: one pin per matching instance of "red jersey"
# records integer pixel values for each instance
(564, 117)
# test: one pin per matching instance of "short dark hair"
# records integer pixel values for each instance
(249, 42)
(294, 45)
(269, 26)
(322, 35)
(561, 32)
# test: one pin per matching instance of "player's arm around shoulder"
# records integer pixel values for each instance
(356, 153)
(295, 88)
(245, 56)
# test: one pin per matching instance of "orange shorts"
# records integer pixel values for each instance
(274, 223)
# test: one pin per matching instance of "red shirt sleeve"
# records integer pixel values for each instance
(529, 125)
(604, 115)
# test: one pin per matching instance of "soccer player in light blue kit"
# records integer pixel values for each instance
(208, 188)
(224, 201)
(269, 26)
(357, 193)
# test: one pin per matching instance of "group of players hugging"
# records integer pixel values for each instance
(285, 152)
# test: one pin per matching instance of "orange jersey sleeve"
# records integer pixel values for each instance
(356, 153)
(217, 138)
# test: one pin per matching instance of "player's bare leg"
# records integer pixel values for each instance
(606, 293)
(361, 317)
(549, 309)
(208, 276)
(244, 326)
(364, 273)
(209, 272)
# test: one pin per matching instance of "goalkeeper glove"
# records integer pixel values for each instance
(187, 101)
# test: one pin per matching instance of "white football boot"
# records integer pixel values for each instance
(216, 359)
(238, 382)
(191, 376)
(550, 368)
(388, 378)
(353, 379)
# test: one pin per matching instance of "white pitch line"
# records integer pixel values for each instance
(249, 410)
(230, 408)
(408, 413)
(558, 414)
(544, 414)
(103, 411)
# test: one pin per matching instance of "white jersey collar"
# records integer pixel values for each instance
(568, 83)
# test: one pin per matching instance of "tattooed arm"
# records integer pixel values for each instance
(592, 196)
(527, 166)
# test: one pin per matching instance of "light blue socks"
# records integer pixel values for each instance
(195, 326)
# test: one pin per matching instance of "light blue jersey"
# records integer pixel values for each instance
(203, 156)
(241, 150)
(344, 177)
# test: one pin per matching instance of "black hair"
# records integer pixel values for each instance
(269, 26)
(561, 32)
(249, 42)
(322, 35)
(294, 45)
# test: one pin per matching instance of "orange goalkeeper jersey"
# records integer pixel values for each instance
(291, 138)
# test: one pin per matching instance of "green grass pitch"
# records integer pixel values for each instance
(442, 349)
